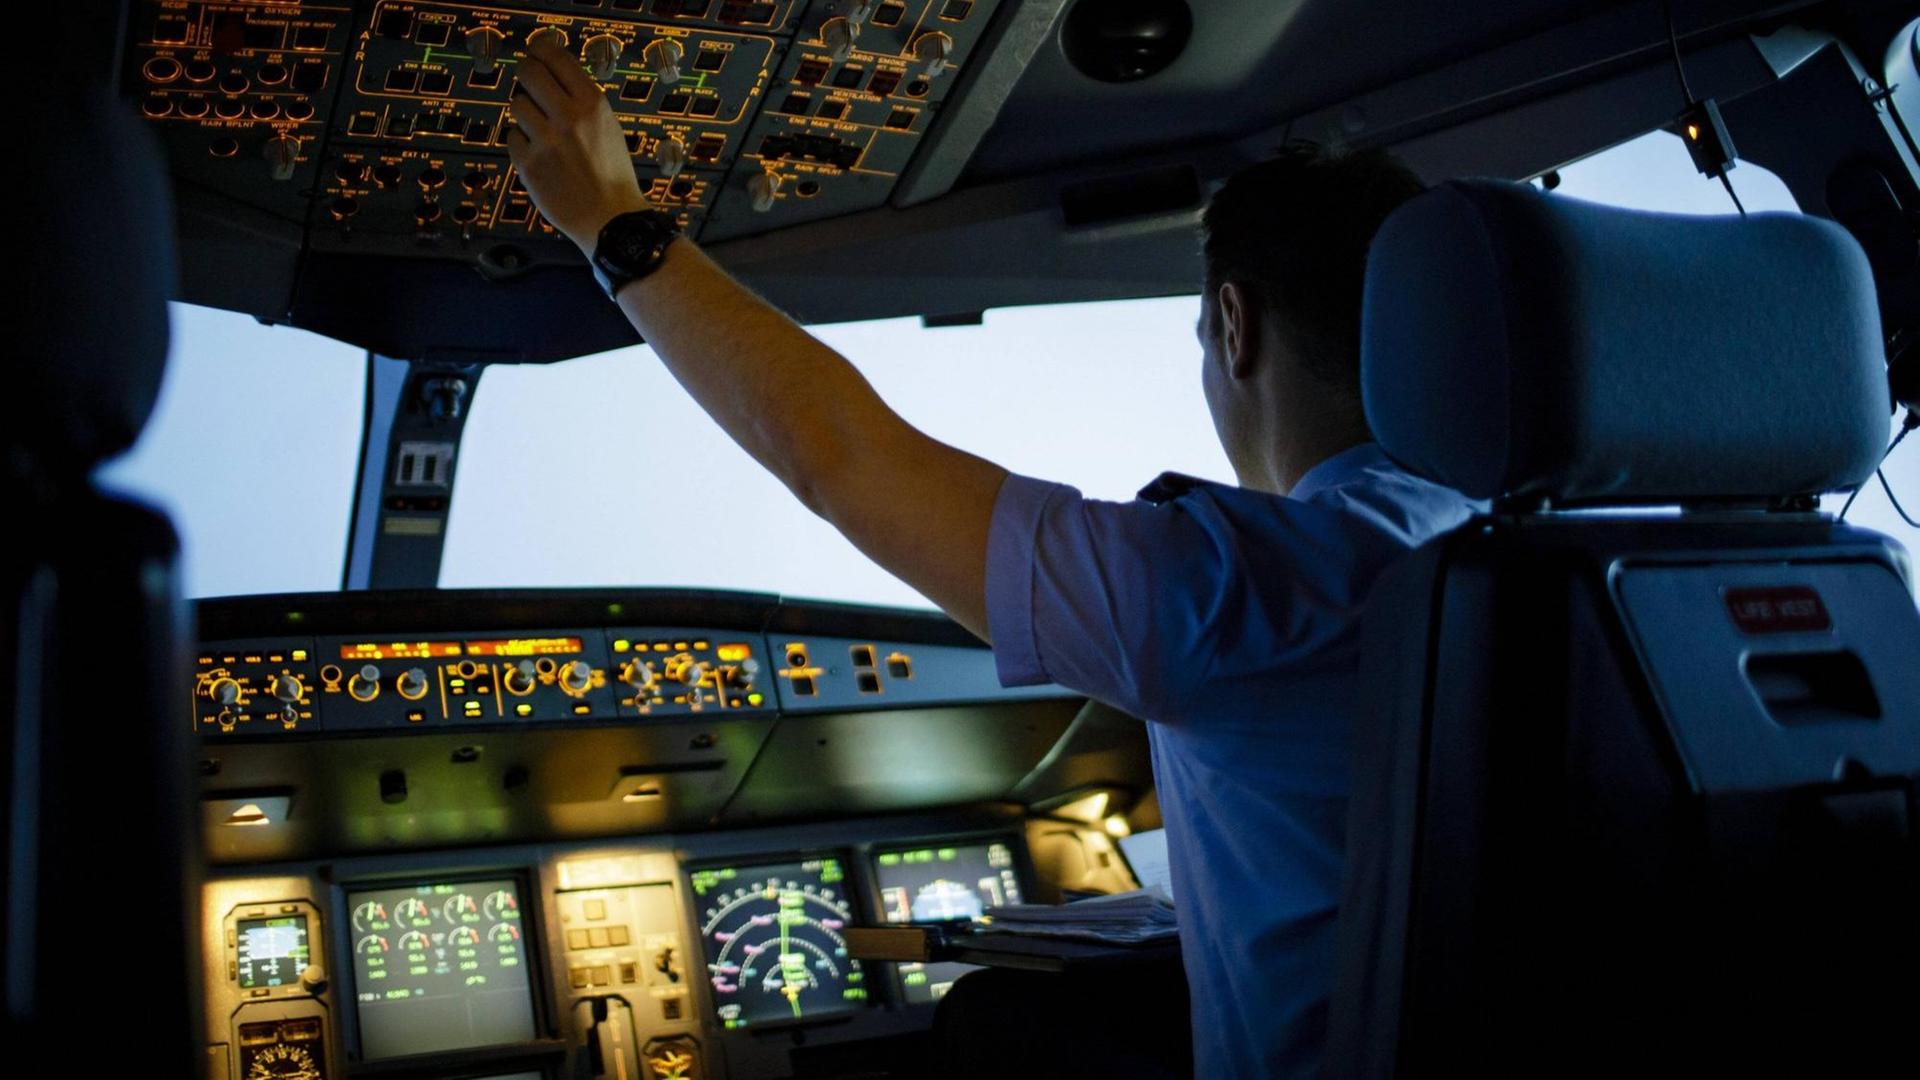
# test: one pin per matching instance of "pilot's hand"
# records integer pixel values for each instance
(568, 147)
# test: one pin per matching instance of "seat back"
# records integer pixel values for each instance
(1633, 791)
(101, 886)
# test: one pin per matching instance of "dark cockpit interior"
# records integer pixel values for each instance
(1640, 786)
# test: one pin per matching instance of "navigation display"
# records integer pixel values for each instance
(934, 884)
(440, 967)
(272, 952)
(772, 936)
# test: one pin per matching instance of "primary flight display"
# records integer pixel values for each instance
(773, 936)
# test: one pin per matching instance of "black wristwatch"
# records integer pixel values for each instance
(631, 246)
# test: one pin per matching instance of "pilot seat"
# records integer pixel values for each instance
(1635, 784)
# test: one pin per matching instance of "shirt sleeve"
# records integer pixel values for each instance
(1112, 600)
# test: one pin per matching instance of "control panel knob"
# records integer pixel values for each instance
(552, 34)
(365, 684)
(520, 678)
(671, 157)
(282, 153)
(313, 978)
(576, 677)
(931, 52)
(638, 673)
(837, 35)
(483, 44)
(695, 673)
(412, 684)
(860, 12)
(761, 188)
(743, 673)
(224, 692)
(288, 688)
(602, 53)
(662, 57)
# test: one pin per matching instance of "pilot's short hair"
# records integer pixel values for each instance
(1295, 230)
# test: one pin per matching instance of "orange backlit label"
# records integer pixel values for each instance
(540, 646)
(733, 654)
(398, 650)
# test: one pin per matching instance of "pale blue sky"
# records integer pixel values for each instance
(601, 471)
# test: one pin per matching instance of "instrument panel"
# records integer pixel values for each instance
(664, 957)
(379, 127)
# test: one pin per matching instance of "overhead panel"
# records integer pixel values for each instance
(379, 128)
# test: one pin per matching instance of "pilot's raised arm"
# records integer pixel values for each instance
(913, 504)
(1224, 615)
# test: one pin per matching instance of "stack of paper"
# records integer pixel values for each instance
(1123, 918)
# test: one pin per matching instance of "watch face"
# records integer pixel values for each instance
(634, 246)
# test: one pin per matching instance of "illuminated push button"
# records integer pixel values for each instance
(161, 69)
(193, 107)
(662, 57)
(837, 36)
(156, 105)
(299, 110)
(265, 110)
(602, 52)
(576, 677)
(229, 110)
(671, 157)
(282, 153)
(483, 44)
(412, 684)
(234, 83)
(365, 684)
(932, 52)
(200, 70)
(761, 189)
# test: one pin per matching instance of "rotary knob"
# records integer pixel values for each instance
(639, 674)
(519, 678)
(365, 684)
(662, 57)
(742, 674)
(224, 692)
(602, 53)
(837, 34)
(671, 157)
(551, 34)
(282, 153)
(483, 44)
(761, 188)
(412, 684)
(576, 677)
(932, 52)
(695, 673)
(287, 687)
(313, 978)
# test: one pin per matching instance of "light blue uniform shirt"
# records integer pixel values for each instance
(1229, 619)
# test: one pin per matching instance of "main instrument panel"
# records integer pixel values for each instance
(681, 957)
(380, 127)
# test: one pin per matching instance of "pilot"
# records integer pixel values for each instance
(1225, 616)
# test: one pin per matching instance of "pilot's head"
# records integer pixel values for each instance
(1286, 248)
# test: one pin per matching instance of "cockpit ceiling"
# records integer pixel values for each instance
(1097, 183)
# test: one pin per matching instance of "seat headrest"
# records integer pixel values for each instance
(1517, 343)
(89, 334)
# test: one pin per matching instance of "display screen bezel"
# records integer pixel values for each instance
(240, 938)
(859, 904)
(533, 955)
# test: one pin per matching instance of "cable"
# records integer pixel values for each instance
(1897, 508)
(1731, 194)
(1912, 420)
(1673, 40)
